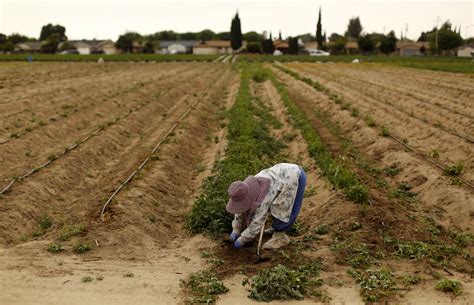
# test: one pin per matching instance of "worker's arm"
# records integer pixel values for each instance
(237, 223)
(258, 220)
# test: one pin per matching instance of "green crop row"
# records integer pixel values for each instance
(250, 149)
(106, 58)
(338, 173)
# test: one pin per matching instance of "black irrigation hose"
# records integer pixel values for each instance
(432, 161)
(130, 177)
(75, 145)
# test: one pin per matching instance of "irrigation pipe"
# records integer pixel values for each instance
(130, 177)
(435, 163)
(75, 145)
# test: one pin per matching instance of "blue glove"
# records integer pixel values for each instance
(237, 244)
(234, 236)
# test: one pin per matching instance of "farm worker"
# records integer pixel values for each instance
(278, 191)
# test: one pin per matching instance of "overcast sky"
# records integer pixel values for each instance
(108, 18)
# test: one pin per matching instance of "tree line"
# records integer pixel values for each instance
(440, 39)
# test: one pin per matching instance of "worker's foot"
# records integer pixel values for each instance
(269, 231)
(278, 240)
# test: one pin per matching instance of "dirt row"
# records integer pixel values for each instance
(15, 77)
(40, 108)
(449, 204)
(420, 134)
(407, 94)
(143, 235)
(20, 155)
(456, 86)
(73, 187)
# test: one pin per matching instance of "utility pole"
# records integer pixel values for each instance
(438, 19)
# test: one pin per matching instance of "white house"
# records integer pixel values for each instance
(212, 47)
(28, 47)
(177, 46)
(466, 50)
(94, 46)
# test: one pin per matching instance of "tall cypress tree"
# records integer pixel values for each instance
(236, 33)
(279, 36)
(319, 34)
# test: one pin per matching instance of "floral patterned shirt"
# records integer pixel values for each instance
(278, 201)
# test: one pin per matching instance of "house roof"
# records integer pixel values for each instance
(410, 44)
(469, 45)
(92, 43)
(214, 44)
(29, 45)
(281, 44)
(352, 45)
(184, 43)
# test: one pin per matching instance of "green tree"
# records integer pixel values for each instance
(335, 37)
(125, 41)
(267, 46)
(307, 37)
(149, 47)
(252, 37)
(319, 32)
(236, 33)
(354, 28)
(279, 36)
(293, 45)
(17, 38)
(388, 44)
(338, 45)
(66, 46)
(366, 43)
(3, 38)
(51, 44)
(254, 47)
(187, 36)
(447, 39)
(223, 36)
(206, 35)
(50, 29)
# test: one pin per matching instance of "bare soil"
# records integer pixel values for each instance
(144, 229)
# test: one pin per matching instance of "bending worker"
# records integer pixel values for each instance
(277, 190)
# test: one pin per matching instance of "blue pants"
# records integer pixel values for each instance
(280, 226)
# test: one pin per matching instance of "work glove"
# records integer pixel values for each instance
(234, 236)
(238, 244)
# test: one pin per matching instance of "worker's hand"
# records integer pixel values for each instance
(234, 236)
(238, 244)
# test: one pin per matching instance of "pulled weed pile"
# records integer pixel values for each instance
(282, 283)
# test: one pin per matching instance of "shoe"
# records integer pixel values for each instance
(278, 240)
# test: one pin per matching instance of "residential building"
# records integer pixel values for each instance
(466, 50)
(211, 47)
(407, 48)
(177, 46)
(28, 47)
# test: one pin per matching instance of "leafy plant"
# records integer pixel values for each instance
(282, 283)
(370, 121)
(446, 285)
(129, 274)
(434, 153)
(205, 287)
(69, 231)
(81, 248)
(411, 250)
(455, 169)
(55, 248)
(374, 284)
(384, 131)
(87, 279)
